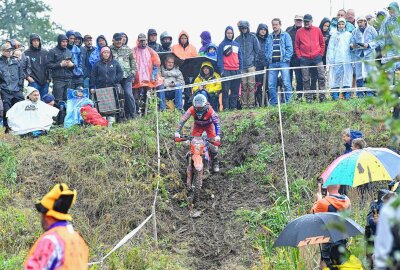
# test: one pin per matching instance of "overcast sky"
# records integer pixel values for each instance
(134, 17)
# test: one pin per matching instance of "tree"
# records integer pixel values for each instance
(20, 18)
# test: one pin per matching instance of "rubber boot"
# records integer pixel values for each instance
(215, 164)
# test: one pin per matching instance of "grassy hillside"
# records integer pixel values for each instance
(115, 173)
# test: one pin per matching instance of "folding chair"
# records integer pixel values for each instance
(110, 102)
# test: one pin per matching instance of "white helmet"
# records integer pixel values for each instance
(200, 105)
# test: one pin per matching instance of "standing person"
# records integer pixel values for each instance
(166, 41)
(389, 33)
(184, 49)
(205, 37)
(59, 61)
(60, 246)
(295, 62)
(77, 77)
(152, 40)
(147, 75)
(124, 56)
(250, 48)
(332, 202)
(78, 39)
(86, 52)
(324, 26)
(230, 63)
(261, 61)
(101, 41)
(279, 51)
(125, 38)
(107, 72)
(366, 36)
(11, 81)
(351, 16)
(39, 78)
(339, 56)
(310, 47)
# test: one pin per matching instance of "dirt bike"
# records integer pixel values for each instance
(199, 161)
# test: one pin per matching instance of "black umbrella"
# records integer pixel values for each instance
(317, 229)
(163, 55)
(191, 66)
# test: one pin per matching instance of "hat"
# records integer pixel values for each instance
(117, 36)
(298, 17)
(105, 48)
(307, 18)
(6, 47)
(30, 90)
(381, 13)
(86, 37)
(361, 18)
(141, 37)
(47, 98)
(57, 202)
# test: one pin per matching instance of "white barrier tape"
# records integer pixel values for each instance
(261, 72)
(123, 241)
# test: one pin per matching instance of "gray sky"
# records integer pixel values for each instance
(134, 17)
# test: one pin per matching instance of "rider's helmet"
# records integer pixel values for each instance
(200, 105)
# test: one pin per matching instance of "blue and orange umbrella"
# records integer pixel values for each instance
(363, 166)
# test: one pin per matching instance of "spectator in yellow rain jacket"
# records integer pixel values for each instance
(343, 260)
(207, 73)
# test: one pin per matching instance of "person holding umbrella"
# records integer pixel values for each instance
(332, 202)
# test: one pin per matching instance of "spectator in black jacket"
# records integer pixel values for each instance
(39, 78)
(261, 61)
(152, 40)
(59, 61)
(166, 41)
(11, 80)
(324, 26)
(107, 72)
(86, 52)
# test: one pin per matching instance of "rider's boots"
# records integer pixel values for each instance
(215, 164)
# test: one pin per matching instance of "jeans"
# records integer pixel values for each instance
(43, 89)
(130, 106)
(305, 72)
(177, 96)
(360, 83)
(229, 100)
(161, 96)
(273, 81)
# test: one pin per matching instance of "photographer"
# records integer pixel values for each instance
(329, 200)
(59, 61)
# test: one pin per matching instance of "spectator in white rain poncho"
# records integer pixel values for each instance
(363, 44)
(339, 55)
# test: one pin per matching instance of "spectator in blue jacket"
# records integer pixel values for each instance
(250, 48)
(101, 41)
(77, 77)
(230, 63)
(279, 51)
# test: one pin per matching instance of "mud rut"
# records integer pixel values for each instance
(217, 239)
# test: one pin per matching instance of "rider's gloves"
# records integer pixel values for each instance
(217, 138)
(177, 135)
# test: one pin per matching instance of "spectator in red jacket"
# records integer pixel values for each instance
(310, 48)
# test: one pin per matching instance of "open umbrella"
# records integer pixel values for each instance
(163, 55)
(191, 66)
(363, 166)
(317, 229)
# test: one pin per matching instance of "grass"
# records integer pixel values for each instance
(115, 173)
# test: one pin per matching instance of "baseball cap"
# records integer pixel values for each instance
(141, 37)
(117, 36)
(307, 18)
(6, 47)
(298, 17)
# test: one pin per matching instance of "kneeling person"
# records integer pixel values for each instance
(31, 115)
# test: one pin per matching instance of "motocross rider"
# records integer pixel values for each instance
(205, 119)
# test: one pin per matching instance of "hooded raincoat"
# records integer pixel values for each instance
(390, 33)
(339, 53)
(212, 88)
(205, 41)
(184, 51)
(367, 35)
(95, 55)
